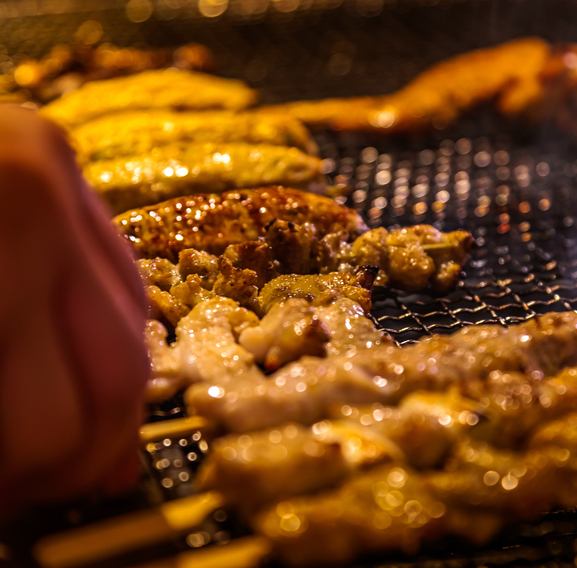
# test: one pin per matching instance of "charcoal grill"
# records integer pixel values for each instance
(515, 191)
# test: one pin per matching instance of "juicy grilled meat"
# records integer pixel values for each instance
(164, 89)
(138, 133)
(180, 169)
(524, 77)
(306, 391)
(211, 222)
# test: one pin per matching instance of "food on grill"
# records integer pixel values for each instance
(295, 328)
(422, 432)
(524, 77)
(150, 90)
(299, 233)
(212, 222)
(305, 391)
(137, 133)
(67, 67)
(180, 169)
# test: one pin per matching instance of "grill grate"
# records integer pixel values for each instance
(517, 199)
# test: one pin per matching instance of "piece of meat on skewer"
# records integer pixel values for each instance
(306, 390)
(137, 133)
(211, 222)
(524, 78)
(166, 89)
(296, 328)
(180, 169)
(422, 432)
(393, 508)
(206, 349)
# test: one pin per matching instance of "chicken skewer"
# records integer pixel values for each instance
(539, 89)
(182, 168)
(138, 133)
(251, 470)
(168, 89)
(305, 391)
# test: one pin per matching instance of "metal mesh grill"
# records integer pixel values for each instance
(518, 200)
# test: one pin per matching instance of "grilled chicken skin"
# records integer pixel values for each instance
(162, 89)
(211, 222)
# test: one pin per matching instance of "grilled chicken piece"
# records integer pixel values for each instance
(305, 391)
(438, 96)
(252, 471)
(205, 348)
(139, 133)
(211, 222)
(393, 508)
(296, 328)
(423, 432)
(159, 272)
(318, 289)
(150, 90)
(180, 169)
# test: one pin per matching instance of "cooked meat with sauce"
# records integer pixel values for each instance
(140, 132)
(181, 169)
(166, 89)
(211, 222)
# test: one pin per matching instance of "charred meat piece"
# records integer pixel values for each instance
(181, 169)
(296, 328)
(138, 133)
(150, 90)
(211, 222)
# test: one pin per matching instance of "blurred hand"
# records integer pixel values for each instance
(73, 364)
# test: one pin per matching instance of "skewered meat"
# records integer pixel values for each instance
(211, 222)
(164, 89)
(205, 349)
(138, 133)
(393, 508)
(300, 233)
(296, 328)
(421, 432)
(525, 77)
(305, 391)
(180, 169)
(67, 67)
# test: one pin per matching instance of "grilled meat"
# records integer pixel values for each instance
(66, 67)
(206, 349)
(422, 432)
(393, 508)
(138, 133)
(525, 77)
(180, 169)
(305, 391)
(318, 289)
(295, 328)
(150, 90)
(211, 222)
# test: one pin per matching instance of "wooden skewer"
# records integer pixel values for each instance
(242, 553)
(123, 534)
(156, 431)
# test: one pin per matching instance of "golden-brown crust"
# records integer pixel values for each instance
(211, 222)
